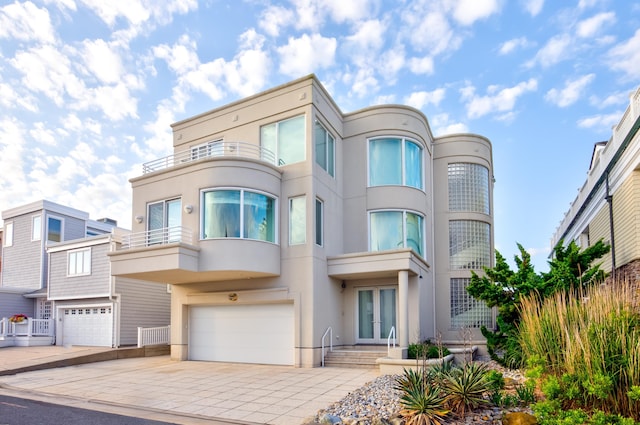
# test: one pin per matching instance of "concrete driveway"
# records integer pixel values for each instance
(195, 392)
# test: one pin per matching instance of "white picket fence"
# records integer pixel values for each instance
(154, 336)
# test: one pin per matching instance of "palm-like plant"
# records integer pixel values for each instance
(422, 404)
(465, 389)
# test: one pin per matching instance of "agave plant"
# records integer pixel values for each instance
(422, 403)
(465, 390)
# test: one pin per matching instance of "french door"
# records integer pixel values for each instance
(376, 314)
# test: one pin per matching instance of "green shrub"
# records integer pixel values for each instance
(465, 389)
(526, 392)
(426, 350)
(495, 380)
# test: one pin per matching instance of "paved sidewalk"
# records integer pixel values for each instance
(196, 391)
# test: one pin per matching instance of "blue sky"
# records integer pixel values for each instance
(89, 88)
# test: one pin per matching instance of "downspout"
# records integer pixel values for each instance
(609, 198)
(115, 326)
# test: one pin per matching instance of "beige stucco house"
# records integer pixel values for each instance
(279, 220)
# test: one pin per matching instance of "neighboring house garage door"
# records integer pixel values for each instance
(87, 326)
(242, 333)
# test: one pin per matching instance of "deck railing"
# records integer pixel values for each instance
(215, 149)
(29, 327)
(162, 236)
(154, 336)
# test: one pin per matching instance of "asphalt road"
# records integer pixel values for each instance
(19, 411)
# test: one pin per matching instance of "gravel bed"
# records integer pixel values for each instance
(378, 403)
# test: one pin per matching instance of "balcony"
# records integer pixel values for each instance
(169, 255)
(161, 255)
(212, 150)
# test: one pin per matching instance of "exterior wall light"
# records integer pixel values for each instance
(188, 209)
(139, 219)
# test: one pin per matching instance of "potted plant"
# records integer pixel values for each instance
(18, 318)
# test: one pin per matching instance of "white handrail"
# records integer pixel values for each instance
(391, 332)
(160, 335)
(217, 149)
(330, 332)
(162, 236)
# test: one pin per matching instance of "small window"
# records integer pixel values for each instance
(8, 234)
(79, 262)
(36, 228)
(324, 148)
(297, 221)
(54, 229)
(319, 221)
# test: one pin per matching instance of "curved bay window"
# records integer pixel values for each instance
(238, 213)
(396, 229)
(395, 161)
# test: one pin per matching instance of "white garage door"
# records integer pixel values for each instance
(242, 333)
(87, 326)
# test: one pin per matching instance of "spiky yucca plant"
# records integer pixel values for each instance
(422, 404)
(465, 389)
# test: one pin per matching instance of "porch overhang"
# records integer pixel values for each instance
(378, 264)
(162, 263)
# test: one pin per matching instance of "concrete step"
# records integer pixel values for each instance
(353, 358)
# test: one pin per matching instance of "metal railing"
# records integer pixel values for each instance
(389, 339)
(29, 327)
(154, 336)
(215, 149)
(162, 236)
(329, 331)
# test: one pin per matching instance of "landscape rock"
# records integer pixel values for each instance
(519, 418)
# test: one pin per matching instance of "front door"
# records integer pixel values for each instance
(376, 314)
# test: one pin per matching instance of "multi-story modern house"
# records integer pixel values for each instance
(55, 266)
(608, 203)
(281, 222)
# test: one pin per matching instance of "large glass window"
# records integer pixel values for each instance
(469, 244)
(468, 187)
(396, 229)
(165, 219)
(395, 161)
(54, 229)
(466, 311)
(232, 213)
(297, 220)
(36, 228)
(79, 262)
(286, 139)
(324, 148)
(8, 234)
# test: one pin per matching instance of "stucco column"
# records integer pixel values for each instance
(403, 305)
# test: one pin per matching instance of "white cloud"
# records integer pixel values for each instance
(421, 98)
(180, 57)
(591, 26)
(625, 57)
(553, 52)
(466, 12)
(497, 100)
(43, 135)
(368, 38)
(273, 18)
(26, 22)
(48, 71)
(422, 65)
(428, 29)
(109, 11)
(533, 7)
(306, 54)
(116, 102)
(618, 98)
(9, 98)
(12, 158)
(308, 15)
(605, 121)
(442, 124)
(513, 44)
(571, 92)
(102, 60)
(352, 10)
(363, 82)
